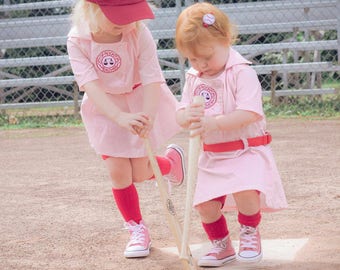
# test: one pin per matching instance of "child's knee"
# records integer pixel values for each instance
(208, 208)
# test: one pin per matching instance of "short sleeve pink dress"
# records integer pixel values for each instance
(253, 168)
(122, 68)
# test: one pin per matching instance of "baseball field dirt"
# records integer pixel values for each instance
(57, 210)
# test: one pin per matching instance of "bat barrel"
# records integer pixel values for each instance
(174, 225)
(193, 153)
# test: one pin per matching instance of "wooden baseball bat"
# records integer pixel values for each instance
(193, 153)
(169, 208)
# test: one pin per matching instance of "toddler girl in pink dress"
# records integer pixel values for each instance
(236, 168)
(114, 61)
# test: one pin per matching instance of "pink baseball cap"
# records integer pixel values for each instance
(122, 12)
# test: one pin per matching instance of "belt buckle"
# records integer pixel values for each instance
(245, 143)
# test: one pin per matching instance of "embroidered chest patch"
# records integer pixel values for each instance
(209, 94)
(108, 61)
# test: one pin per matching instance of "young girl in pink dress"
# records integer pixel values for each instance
(236, 168)
(114, 61)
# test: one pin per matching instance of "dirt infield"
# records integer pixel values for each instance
(57, 211)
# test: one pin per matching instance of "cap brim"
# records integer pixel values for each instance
(128, 13)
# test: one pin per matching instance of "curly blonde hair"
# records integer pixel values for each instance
(88, 12)
(85, 11)
(191, 33)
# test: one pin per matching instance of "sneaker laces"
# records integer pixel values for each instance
(248, 237)
(218, 246)
(137, 233)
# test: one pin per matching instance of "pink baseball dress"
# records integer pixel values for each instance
(122, 69)
(225, 173)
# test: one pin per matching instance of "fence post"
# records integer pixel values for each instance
(181, 61)
(273, 98)
(75, 100)
(2, 91)
(306, 55)
(338, 28)
(2, 101)
(285, 74)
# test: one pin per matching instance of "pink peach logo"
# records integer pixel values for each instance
(108, 61)
(209, 94)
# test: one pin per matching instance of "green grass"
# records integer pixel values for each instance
(309, 107)
(324, 107)
(332, 84)
(38, 121)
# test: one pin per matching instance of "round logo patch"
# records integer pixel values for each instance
(108, 61)
(209, 94)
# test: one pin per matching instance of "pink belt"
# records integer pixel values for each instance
(239, 144)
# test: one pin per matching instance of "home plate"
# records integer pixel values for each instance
(275, 252)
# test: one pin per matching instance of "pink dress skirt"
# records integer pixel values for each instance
(107, 138)
(252, 169)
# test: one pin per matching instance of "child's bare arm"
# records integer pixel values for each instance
(151, 99)
(110, 110)
(226, 122)
(150, 108)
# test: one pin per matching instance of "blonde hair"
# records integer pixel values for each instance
(191, 33)
(85, 11)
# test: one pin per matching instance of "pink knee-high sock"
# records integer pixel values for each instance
(217, 229)
(127, 201)
(252, 221)
(164, 166)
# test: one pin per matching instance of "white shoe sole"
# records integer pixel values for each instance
(215, 263)
(250, 260)
(137, 253)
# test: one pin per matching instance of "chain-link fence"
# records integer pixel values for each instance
(294, 46)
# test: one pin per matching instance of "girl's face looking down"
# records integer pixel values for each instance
(210, 59)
